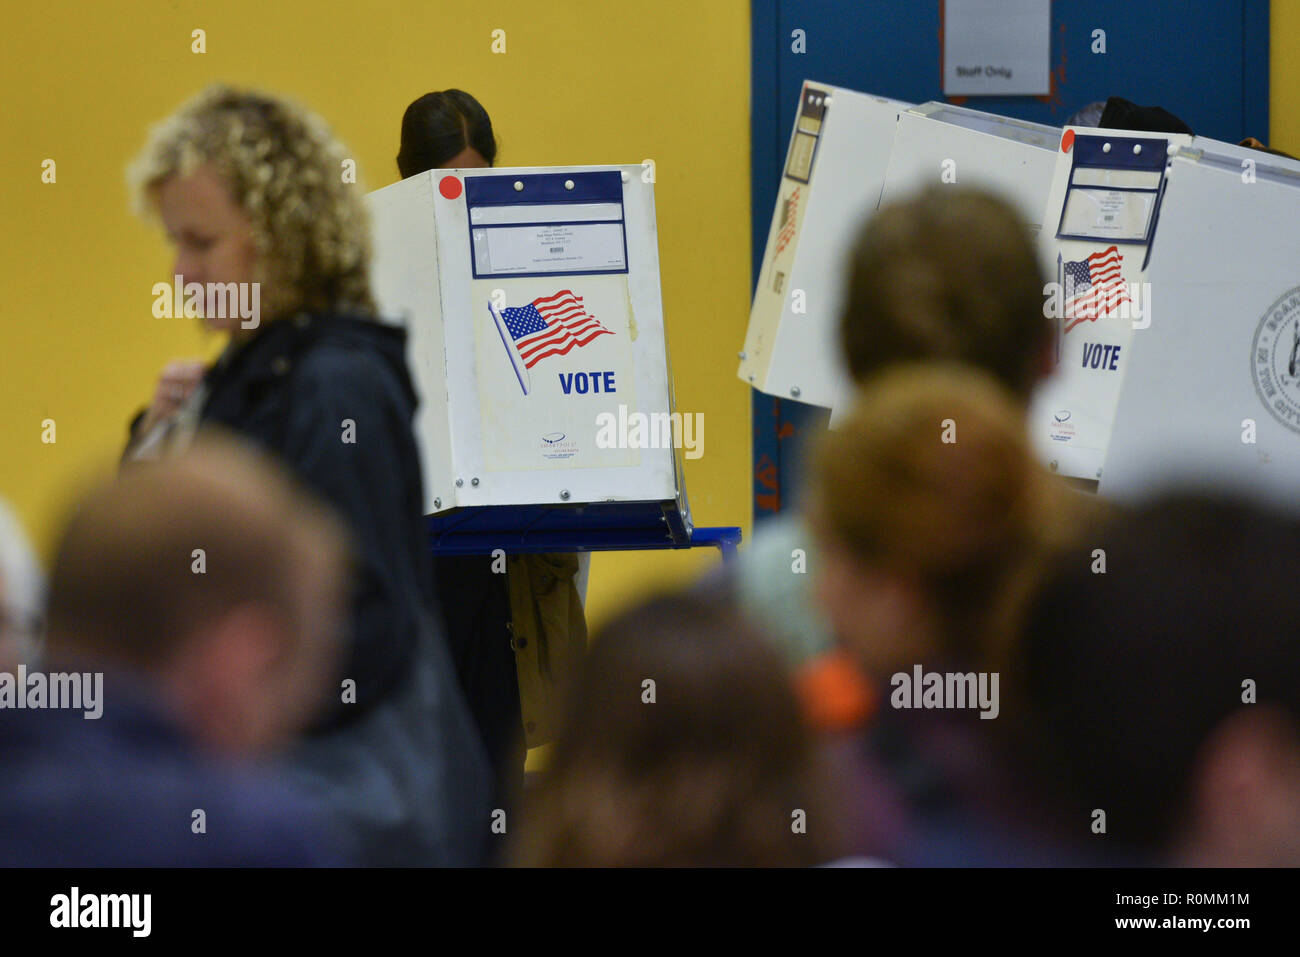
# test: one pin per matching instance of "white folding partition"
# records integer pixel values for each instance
(940, 144)
(537, 336)
(1212, 391)
(848, 153)
(834, 170)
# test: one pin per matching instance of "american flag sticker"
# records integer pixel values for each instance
(549, 326)
(1094, 287)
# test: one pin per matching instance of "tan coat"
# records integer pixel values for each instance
(549, 630)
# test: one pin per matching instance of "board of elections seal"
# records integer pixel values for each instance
(1275, 359)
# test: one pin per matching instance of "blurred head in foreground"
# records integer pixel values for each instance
(1167, 687)
(213, 578)
(934, 515)
(948, 274)
(681, 744)
(22, 595)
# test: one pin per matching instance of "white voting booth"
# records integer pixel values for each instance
(532, 302)
(1212, 390)
(1175, 270)
(834, 170)
(848, 153)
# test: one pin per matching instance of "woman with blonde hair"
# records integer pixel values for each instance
(253, 195)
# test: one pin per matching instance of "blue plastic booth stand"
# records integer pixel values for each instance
(593, 527)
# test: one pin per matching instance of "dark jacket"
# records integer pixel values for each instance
(121, 790)
(331, 397)
(941, 789)
(302, 388)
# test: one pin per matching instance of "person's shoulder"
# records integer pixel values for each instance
(261, 822)
(130, 798)
(347, 350)
(349, 356)
(192, 812)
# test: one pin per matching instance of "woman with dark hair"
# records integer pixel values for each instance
(248, 189)
(512, 636)
(681, 743)
(445, 130)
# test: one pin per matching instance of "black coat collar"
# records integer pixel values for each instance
(273, 351)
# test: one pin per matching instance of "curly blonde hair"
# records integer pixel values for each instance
(284, 169)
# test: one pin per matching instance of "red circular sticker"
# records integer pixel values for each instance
(1067, 141)
(449, 186)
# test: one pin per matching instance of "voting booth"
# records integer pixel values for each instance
(1098, 228)
(1212, 389)
(849, 152)
(536, 339)
(937, 143)
(834, 170)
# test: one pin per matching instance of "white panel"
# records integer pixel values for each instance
(563, 212)
(791, 353)
(404, 277)
(1013, 158)
(1225, 276)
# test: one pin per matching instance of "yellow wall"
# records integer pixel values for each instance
(1284, 76)
(583, 81)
